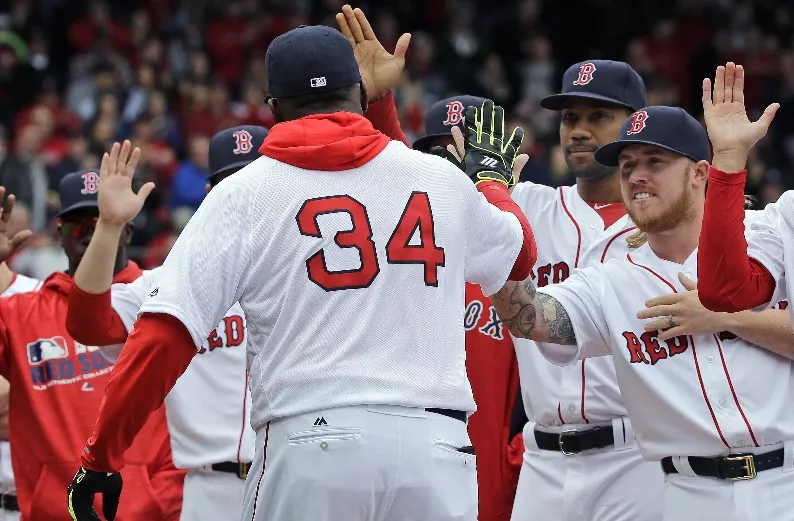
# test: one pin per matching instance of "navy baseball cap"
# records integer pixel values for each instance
(235, 148)
(442, 116)
(78, 190)
(308, 60)
(670, 128)
(600, 80)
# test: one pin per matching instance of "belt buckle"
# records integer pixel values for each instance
(562, 442)
(242, 471)
(749, 466)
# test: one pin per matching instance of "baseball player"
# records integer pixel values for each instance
(9, 505)
(332, 243)
(213, 439)
(56, 383)
(581, 460)
(750, 275)
(490, 359)
(711, 407)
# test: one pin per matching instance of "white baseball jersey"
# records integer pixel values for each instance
(770, 240)
(569, 234)
(696, 395)
(209, 408)
(19, 284)
(352, 281)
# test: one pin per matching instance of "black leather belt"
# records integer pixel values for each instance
(457, 415)
(233, 467)
(573, 441)
(735, 467)
(8, 502)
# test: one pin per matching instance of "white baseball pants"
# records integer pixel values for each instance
(610, 484)
(769, 496)
(211, 496)
(5, 515)
(362, 463)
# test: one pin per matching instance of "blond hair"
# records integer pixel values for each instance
(638, 238)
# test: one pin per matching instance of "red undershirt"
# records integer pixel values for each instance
(728, 280)
(609, 212)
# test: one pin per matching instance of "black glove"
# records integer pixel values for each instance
(85, 485)
(446, 154)
(488, 156)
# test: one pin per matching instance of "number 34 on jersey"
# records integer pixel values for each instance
(417, 218)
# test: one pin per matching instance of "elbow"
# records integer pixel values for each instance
(527, 256)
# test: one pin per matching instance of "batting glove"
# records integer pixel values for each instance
(488, 156)
(85, 485)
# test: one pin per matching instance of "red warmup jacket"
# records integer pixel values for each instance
(492, 368)
(57, 385)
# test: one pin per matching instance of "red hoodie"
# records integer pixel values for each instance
(56, 388)
(159, 348)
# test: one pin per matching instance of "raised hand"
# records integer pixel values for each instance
(731, 132)
(118, 203)
(379, 69)
(9, 244)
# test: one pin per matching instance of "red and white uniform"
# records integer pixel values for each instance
(348, 254)
(56, 390)
(613, 483)
(19, 284)
(697, 395)
(215, 428)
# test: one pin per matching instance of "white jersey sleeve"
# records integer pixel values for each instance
(493, 240)
(204, 274)
(126, 300)
(580, 296)
(768, 243)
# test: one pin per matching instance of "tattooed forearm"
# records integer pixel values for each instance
(528, 314)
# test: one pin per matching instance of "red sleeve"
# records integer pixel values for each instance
(515, 454)
(91, 319)
(728, 280)
(497, 195)
(383, 116)
(158, 350)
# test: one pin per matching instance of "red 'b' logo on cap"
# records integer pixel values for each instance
(638, 120)
(90, 183)
(454, 113)
(586, 71)
(243, 141)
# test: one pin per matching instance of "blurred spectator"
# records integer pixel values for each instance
(23, 174)
(159, 156)
(252, 110)
(138, 97)
(164, 123)
(78, 157)
(188, 188)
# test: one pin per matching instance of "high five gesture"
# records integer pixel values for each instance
(731, 132)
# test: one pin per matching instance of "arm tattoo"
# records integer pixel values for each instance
(528, 314)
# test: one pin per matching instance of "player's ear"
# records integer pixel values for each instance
(700, 173)
(207, 188)
(273, 104)
(364, 96)
(126, 236)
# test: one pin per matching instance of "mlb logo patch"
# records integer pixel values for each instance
(47, 349)
(318, 82)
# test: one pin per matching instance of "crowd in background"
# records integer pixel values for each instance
(76, 75)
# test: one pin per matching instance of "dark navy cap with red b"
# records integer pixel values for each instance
(309, 60)
(235, 148)
(670, 128)
(442, 116)
(600, 80)
(78, 190)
